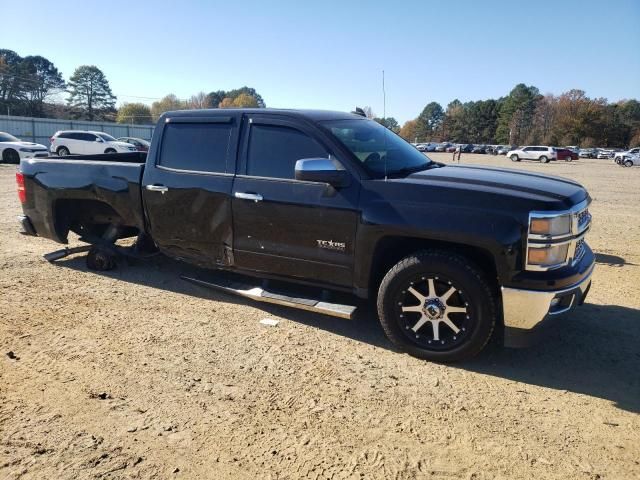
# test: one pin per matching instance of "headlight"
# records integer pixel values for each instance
(554, 226)
(548, 256)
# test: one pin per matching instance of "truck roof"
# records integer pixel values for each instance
(314, 115)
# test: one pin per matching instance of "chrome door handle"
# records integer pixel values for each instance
(256, 197)
(157, 188)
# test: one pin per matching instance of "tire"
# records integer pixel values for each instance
(514, 158)
(10, 156)
(62, 151)
(100, 259)
(544, 159)
(450, 282)
(109, 150)
(628, 163)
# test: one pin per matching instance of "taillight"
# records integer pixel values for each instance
(22, 192)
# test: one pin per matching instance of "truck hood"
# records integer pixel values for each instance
(486, 186)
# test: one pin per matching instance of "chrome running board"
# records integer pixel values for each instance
(261, 295)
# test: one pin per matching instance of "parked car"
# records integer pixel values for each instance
(479, 149)
(604, 154)
(452, 148)
(80, 142)
(141, 144)
(626, 153)
(12, 149)
(442, 147)
(566, 154)
(540, 153)
(468, 148)
(573, 148)
(307, 188)
(630, 160)
(431, 147)
(588, 153)
(503, 149)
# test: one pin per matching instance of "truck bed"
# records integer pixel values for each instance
(64, 193)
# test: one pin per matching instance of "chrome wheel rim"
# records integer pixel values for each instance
(434, 313)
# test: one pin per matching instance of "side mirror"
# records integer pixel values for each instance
(322, 170)
(98, 139)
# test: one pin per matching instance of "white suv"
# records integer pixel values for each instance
(619, 157)
(81, 142)
(542, 154)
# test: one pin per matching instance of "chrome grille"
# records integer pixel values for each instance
(583, 217)
(580, 249)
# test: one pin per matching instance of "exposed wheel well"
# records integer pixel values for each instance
(7, 151)
(87, 218)
(390, 250)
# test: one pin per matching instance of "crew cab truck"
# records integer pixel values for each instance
(335, 202)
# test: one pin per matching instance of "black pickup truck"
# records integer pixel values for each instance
(337, 204)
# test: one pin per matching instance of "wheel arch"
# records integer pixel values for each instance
(87, 217)
(389, 250)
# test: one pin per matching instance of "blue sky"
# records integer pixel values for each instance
(330, 54)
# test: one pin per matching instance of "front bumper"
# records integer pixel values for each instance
(525, 310)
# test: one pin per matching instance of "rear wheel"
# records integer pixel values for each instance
(109, 150)
(514, 158)
(628, 163)
(437, 306)
(100, 259)
(544, 159)
(62, 151)
(10, 156)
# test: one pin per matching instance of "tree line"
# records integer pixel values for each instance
(32, 86)
(525, 117)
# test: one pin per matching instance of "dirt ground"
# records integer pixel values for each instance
(135, 373)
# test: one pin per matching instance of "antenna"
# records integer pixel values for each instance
(384, 119)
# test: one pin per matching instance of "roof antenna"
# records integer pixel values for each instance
(384, 119)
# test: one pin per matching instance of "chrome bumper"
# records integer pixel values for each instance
(526, 309)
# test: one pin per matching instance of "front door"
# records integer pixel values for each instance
(284, 226)
(187, 191)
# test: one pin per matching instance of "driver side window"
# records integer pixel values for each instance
(274, 150)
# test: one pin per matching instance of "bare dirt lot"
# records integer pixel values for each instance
(136, 374)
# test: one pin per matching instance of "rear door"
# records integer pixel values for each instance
(284, 226)
(187, 187)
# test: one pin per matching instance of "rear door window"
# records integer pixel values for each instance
(274, 150)
(198, 147)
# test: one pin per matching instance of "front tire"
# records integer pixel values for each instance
(514, 158)
(455, 312)
(109, 150)
(628, 163)
(62, 152)
(10, 156)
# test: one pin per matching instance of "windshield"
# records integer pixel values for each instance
(5, 137)
(381, 151)
(106, 137)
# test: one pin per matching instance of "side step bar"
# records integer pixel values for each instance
(262, 295)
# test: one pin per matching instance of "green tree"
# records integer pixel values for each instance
(389, 122)
(43, 81)
(430, 121)
(134, 113)
(166, 104)
(217, 98)
(516, 113)
(89, 92)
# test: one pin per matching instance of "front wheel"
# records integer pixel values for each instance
(109, 150)
(62, 151)
(437, 306)
(10, 156)
(628, 163)
(514, 158)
